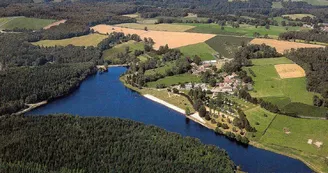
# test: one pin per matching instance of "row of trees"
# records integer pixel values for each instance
(312, 35)
(102, 145)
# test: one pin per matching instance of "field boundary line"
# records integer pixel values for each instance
(268, 125)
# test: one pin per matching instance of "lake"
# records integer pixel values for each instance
(104, 95)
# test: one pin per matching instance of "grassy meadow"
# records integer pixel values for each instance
(174, 80)
(290, 136)
(227, 45)
(290, 94)
(243, 30)
(11, 23)
(157, 27)
(297, 16)
(87, 40)
(111, 53)
(160, 70)
(204, 51)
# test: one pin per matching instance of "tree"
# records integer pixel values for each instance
(327, 115)
(187, 111)
(202, 111)
(267, 26)
(212, 82)
(317, 101)
(197, 60)
(283, 23)
(146, 29)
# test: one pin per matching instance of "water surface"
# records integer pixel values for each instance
(104, 95)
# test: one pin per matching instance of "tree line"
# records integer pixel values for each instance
(104, 145)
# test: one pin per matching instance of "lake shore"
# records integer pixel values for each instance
(252, 143)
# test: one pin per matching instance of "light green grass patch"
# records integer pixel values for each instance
(87, 40)
(111, 53)
(297, 16)
(24, 23)
(204, 51)
(300, 131)
(243, 30)
(227, 45)
(176, 79)
(157, 27)
(160, 70)
(271, 61)
(260, 116)
(276, 5)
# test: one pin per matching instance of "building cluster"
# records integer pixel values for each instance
(230, 84)
(205, 66)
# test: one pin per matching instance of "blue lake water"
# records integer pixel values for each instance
(104, 95)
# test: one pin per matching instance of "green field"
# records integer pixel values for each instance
(24, 22)
(227, 45)
(174, 80)
(271, 61)
(294, 142)
(160, 70)
(276, 5)
(157, 27)
(243, 30)
(204, 51)
(111, 53)
(290, 95)
(298, 16)
(313, 2)
(87, 40)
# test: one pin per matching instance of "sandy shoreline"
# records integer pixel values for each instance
(194, 116)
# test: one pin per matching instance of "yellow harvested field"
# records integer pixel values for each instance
(54, 24)
(87, 40)
(282, 46)
(289, 71)
(157, 27)
(173, 39)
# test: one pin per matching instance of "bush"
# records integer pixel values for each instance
(218, 130)
(225, 126)
(257, 123)
(230, 135)
(213, 121)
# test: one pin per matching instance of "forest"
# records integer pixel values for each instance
(316, 68)
(73, 143)
(312, 35)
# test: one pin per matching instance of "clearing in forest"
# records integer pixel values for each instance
(161, 38)
(54, 24)
(289, 71)
(157, 27)
(87, 40)
(282, 46)
(297, 16)
(204, 51)
(21, 22)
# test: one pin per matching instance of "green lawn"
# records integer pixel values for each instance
(111, 53)
(160, 70)
(271, 61)
(87, 40)
(243, 30)
(24, 22)
(176, 79)
(204, 51)
(227, 45)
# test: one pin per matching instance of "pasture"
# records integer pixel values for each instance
(276, 5)
(282, 46)
(227, 45)
(297, 16)
(87, 40)
(204, 51)
(289, 71)
(289, 94)
(243, 30)
(174, 80)
(160, 70)
(271, 61)
(111, 53)
(157, 27)
(10, 23)
(314, 2)
(161, 38)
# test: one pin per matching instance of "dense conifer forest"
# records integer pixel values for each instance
(65, 142)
